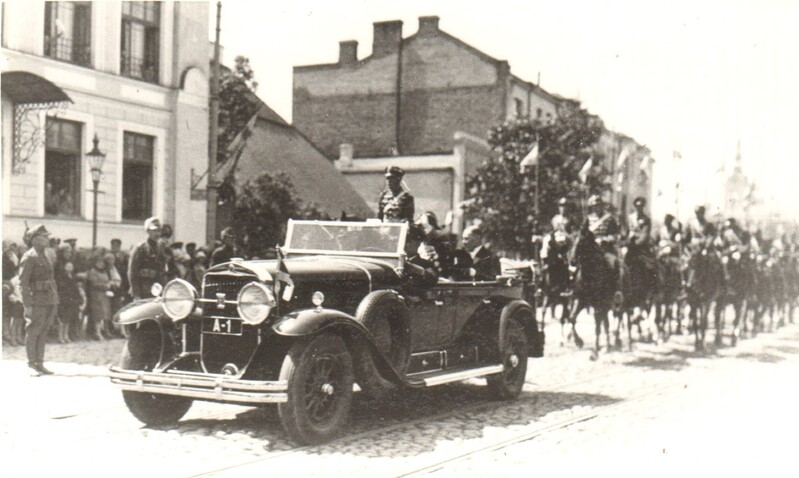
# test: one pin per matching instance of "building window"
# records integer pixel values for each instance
(67, 31)
(137, 176)
(538, 112)
(140, 40)
(519, 105)
(62, 168)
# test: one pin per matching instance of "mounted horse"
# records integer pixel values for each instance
(703, 282)
(557, 281)
(733, 292)
(594, 285)
(669, 296)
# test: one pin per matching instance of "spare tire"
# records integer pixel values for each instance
(384, 315)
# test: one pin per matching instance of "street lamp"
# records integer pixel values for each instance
(96, 159)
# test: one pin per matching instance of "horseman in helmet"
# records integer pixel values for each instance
(700, 232)
(605, 228)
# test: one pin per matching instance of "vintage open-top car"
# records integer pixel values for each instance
(341, 305)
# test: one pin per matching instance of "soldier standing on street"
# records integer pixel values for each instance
(147, 263)
(39, 298)
(395, 203)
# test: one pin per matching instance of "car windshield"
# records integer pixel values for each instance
(359, 238)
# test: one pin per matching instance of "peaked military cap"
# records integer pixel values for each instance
(395, 171)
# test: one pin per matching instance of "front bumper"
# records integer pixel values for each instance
(200, 386)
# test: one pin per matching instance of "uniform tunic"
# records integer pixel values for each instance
(40, 299)
(395, 208)
(147, 267)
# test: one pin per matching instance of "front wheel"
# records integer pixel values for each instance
(142, 352)
(508, 384)
(320, 378)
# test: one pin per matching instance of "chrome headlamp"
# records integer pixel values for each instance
(255, 302)
(178, 299)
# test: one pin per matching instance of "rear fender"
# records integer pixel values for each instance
(535, 338)
(313, 321)
(140, 310)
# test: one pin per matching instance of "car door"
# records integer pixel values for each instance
(432, 315)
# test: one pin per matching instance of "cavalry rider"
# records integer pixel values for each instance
(395, 203)
(700, 232)
(560, 222)
(559, 236)
(640, 228)
(605, 229)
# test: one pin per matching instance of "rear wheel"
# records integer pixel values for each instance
(508, 384)
(320, 378)
(142, 352)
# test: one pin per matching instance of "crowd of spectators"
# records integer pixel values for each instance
(92, 284)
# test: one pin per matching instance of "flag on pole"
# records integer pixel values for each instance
(282, 278)
(677, 154)
(585, 169)
(530, 160)
(622, 157)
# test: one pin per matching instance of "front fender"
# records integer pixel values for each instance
(312, 321)
(140, 310)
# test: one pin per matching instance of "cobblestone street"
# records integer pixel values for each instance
(662, 408)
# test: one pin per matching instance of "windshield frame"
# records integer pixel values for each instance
(366, 224)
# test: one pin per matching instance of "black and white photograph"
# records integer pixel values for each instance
(390, 239)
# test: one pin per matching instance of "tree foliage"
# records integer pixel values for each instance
(263, 207)
(504, 196)
(237, 102)
(237, 105)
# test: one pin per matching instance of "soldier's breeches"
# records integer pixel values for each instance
(38, 319)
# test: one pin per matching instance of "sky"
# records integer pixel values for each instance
(689, 76)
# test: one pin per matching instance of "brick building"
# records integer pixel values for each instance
(413, 102)
(135, 74)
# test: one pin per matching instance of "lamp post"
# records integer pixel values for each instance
(96, 159)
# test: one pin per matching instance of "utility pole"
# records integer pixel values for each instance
(213, 143)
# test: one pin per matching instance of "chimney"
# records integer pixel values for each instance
(347, 52)
(387, 37)
(428, 25)
(345, 154)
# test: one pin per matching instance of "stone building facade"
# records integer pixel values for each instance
(423, 103)
(137, 77)
(632, 175)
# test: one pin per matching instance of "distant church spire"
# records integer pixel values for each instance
(738, 168)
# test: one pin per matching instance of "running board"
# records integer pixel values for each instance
(447, 377)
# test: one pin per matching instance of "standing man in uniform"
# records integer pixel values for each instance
(39, 298)
(147, 263)
(560, 221)
(395, 203)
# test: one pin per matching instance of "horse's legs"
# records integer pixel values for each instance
(721, 306)
(577, 306)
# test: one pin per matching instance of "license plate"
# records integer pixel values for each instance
(221, 325)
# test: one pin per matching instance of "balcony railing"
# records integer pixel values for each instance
(141, 68)
(66, 49)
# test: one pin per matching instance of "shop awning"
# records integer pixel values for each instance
(27, 88)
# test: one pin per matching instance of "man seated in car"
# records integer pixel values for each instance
(429, 251)
(484, 262)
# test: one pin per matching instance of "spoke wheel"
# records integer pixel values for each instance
(508, 384)
(141, 352)
(320, 378)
